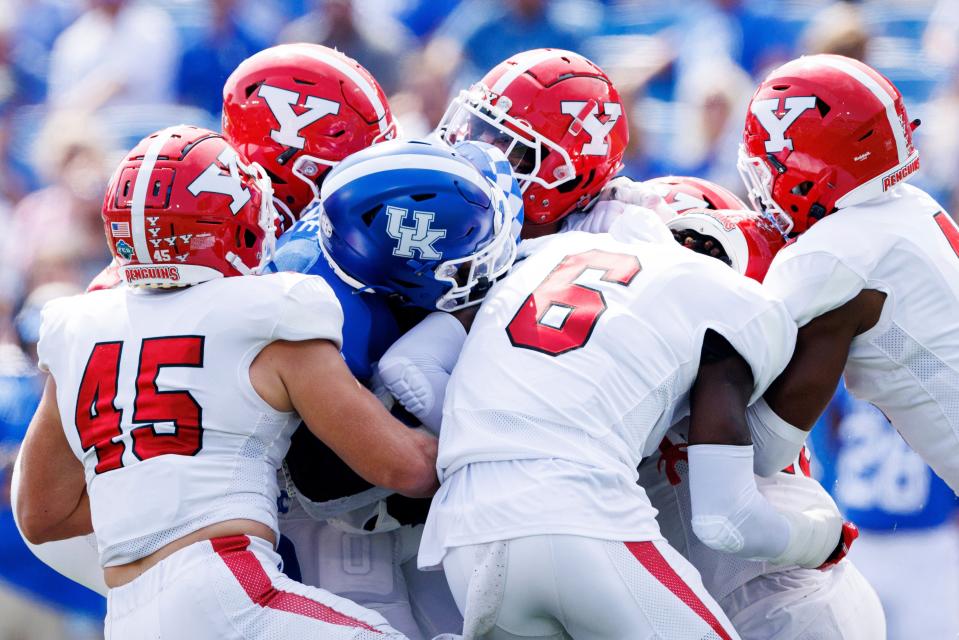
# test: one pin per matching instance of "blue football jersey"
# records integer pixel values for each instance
(877, 480)
(368, 326)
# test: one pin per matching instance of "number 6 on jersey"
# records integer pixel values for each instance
(561, 313)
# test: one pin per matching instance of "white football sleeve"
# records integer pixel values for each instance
(776, 442)
(309, 311)
(76, 558)
(625, 222)
(811, 284)
(730, 515)
(416, 369)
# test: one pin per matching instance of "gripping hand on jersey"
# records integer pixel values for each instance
(627, 191)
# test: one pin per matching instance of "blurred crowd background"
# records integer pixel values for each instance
(82, 80)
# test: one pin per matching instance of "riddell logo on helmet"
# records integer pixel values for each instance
(135, 274)
(899, 175)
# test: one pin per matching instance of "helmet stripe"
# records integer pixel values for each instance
(368, 89)
(405, 161)
(530, 61)
(138, 203)
(881, 94)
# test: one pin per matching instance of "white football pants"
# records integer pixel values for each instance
(806, 604)
(555, 587)
(375, 569)
(231, 589)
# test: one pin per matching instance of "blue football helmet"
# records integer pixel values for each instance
(420, 221)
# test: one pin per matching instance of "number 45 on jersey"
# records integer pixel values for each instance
(98, 419)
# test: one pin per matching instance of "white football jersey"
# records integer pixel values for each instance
(155, 398)
(575, 367)
(665, 477)
(905, 245)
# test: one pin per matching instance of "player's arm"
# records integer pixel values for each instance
(795, 400)
(311, 378)
(76, 558)
(728, 512)
(417, 368)
(52, 497)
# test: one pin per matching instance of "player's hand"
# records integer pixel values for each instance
(627, 191)
(848, 535)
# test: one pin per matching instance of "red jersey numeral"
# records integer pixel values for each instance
(948, 229)
(98, 419)
(560, 315)
(179, 407)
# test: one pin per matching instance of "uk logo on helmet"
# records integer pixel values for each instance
(418, 237)
(765, 111)
(585, 117)
(281, 103)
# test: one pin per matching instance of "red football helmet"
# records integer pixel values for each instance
(297, 110)
(559, 120)
(182, 208)
(683, 193)
(746, 240)
(823, 132)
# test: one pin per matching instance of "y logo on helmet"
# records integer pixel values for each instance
(228, 184)
(765, 110)
(419, 237)
(598, 131)
(680, 201)
(291, 123)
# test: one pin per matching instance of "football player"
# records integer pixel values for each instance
(298, 110)
(559, 121)
(554, 401)
(764, 601)
(171, 402)
(872, 279)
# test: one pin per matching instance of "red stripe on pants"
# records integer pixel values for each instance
(248, 571)
(654, 562)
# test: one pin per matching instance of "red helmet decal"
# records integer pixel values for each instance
(822, 133)
(559, 120)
